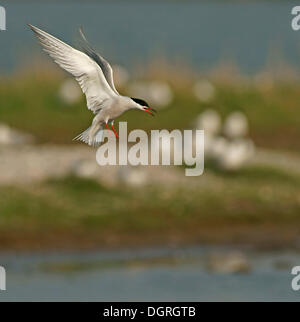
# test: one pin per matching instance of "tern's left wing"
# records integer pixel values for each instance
(86, 71)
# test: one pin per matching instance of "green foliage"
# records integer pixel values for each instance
(256, 195)
(31, 103)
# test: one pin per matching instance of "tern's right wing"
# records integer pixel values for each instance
(86, 71)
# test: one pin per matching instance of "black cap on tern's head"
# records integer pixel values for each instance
(144, 105)
(139, 101)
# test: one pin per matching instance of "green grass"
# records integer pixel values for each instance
(255, 195)
(30, 102)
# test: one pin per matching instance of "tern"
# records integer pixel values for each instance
(95, 77)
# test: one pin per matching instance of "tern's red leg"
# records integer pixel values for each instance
(116, 134)
(109, 131)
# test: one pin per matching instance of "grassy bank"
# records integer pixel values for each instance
(257, 205)
(30, 102)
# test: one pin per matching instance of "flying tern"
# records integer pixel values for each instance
(95, 77)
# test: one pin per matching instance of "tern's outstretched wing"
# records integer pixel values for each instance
(86, 71)
(104, 65)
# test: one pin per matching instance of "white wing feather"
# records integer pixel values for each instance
(86, 71)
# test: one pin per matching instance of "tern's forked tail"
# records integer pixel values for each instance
(92, 141)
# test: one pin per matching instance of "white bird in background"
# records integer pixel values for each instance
(95, 77)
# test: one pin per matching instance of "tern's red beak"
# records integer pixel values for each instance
(149, 110)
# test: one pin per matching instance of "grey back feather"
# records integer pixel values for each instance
(104, 65)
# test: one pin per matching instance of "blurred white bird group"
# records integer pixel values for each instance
(227, 144)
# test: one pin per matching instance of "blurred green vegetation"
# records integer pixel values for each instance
(254, 197)
(205, 209)
(30, 102)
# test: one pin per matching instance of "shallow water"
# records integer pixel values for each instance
(128, 32)
(165, 274)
